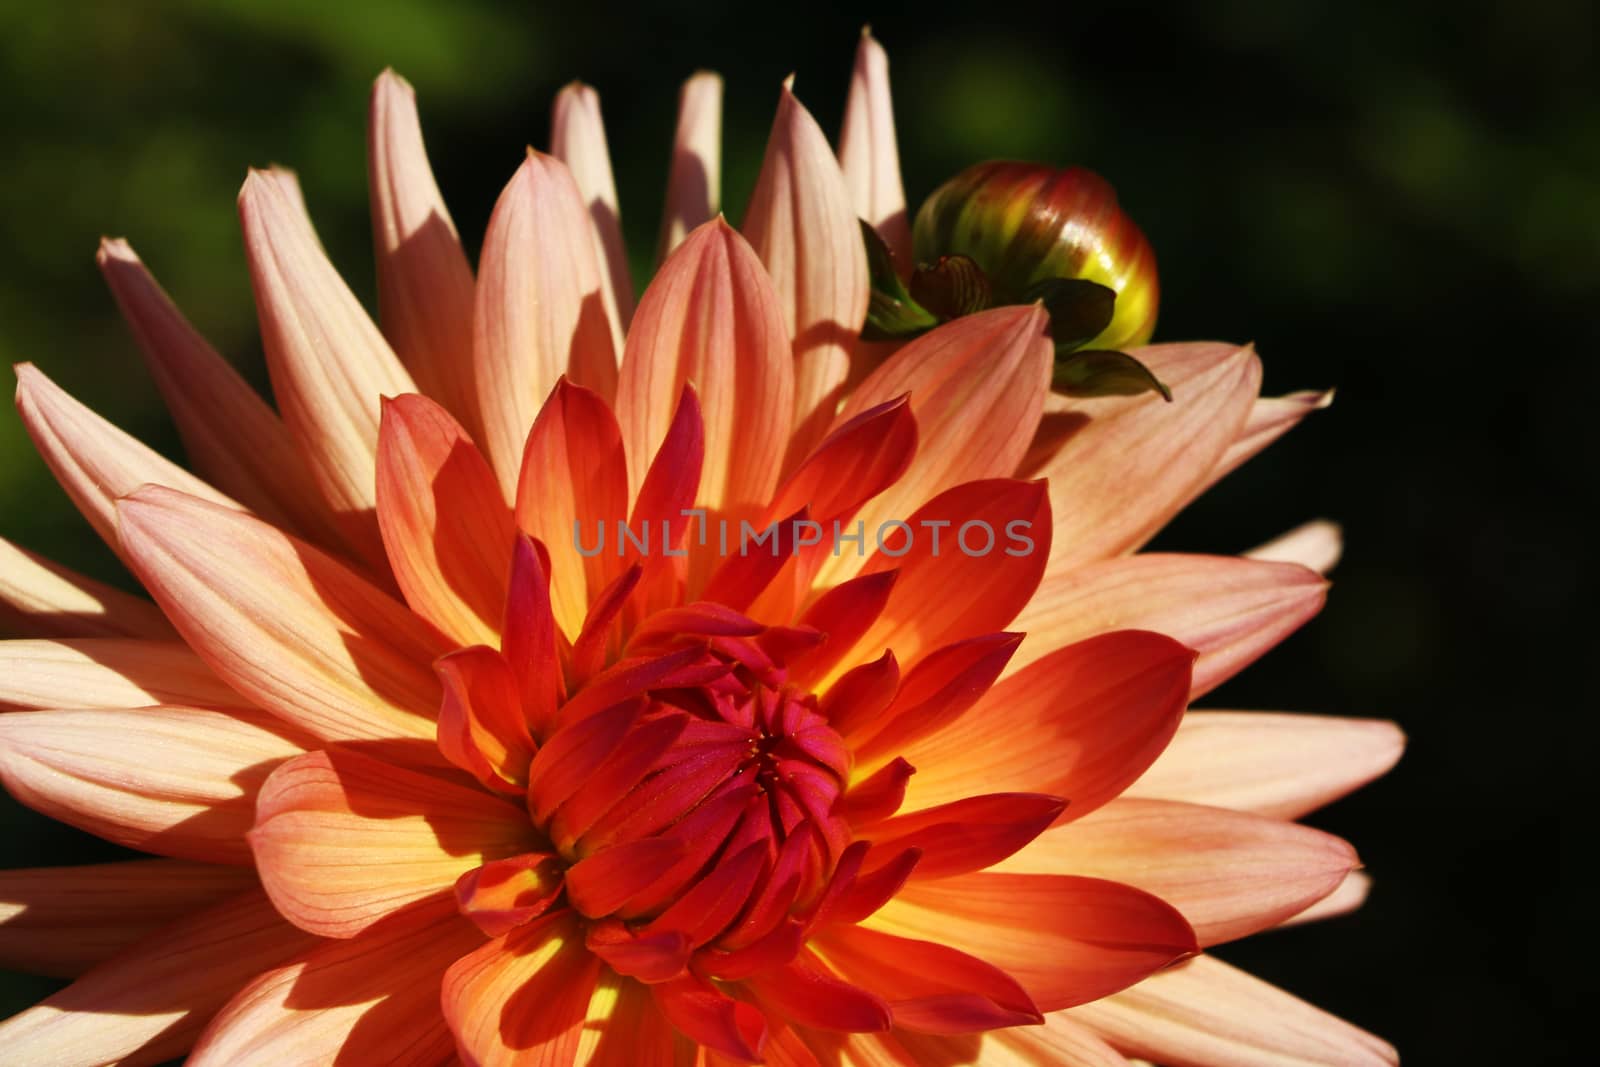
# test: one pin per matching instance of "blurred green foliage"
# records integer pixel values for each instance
(1398, 200)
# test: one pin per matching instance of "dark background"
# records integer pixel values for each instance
(1398, 201)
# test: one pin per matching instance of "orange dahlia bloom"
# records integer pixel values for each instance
(538, 685)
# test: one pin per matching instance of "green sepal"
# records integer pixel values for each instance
(891, 313)
(1080, 310)
(1102, 372)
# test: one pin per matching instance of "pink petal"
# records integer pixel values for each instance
(523, 998)
(1206, 1012)
(62, 921)
(868, 154)
(177, 781)
(1231, 874)
(578, 139)
(1270, 418)
(326, 821)
(1276, 764)
(283, 624)
(107, 672)
(445, 525)
(540, 314)
(1348, 897)
(711, 317)
(1068, 940)
(44, 599)
(694, 183)
(328, 362)
(233, 437)
(977, 389)
(1082, 723)
(146, 1004)
(801, 223)
(1317, 544)
(1121, 467)
(425, 287)
(374, 997)
(93, 460)
(1229, 610)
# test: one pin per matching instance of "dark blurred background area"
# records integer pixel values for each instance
(1400, 201)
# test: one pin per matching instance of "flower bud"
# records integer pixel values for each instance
(1025, 224)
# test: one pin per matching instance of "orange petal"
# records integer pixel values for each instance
(1270, 418)
(572, 493)
(529, 637)
(868, 153)
(1348, 897)
(1082, 723)
(481, 725)
(1128, 464)
(523, 998)
(1068, 940)
(694, 183)
(1229, 610)
(445, 525)
(969, 835)
(425, 288)
(44, 599)
(342, 839)
(62, 921)
(1231, 874)
(801, 223)
(977, 389)
(968, 560)
(938, 690)
(282, 623)
(107, 672)
(328, 362)
(711, 317)
(806, 992)
(233, 438)
(374, 998)
(93, 460)
(578, 139)
(146, 1004)
(1206, 1012)
(177, 781)
(504, 894)
(540, 314)
(624, 1028)
(1317, 544)
(929, 987)
(1276, 764)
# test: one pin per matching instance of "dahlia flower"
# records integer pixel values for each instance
(462, 727)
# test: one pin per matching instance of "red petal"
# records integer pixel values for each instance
(968, 835)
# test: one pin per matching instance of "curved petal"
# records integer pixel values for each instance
(540, 313)
(977, 389)
(343, 840)
(969, 835)
(1081, 723)
(44, 599)
(107, 672)
(328, 362)
(1231, 874)
(1278, 764)
(1317, 544)
(282, 623)
(64, 920)
(93, 460)
(624, 1027)
(425, 287)
(801, 223)
(578, 139)
(522, 999)
(445, 524)
(1348, 897)
(1227, 609)
(372, 999)
(868, 153)
(177, 781)
(146, 1004)
(1068, 940)
(233, 437)
(1120, 467)
(1206, 1012)
(711, 317)
(694, 183)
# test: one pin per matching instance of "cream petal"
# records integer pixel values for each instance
(869, 154)
(694, 182)
(41, 598)
(107, 672)
(578, 139)
(1317, 544)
